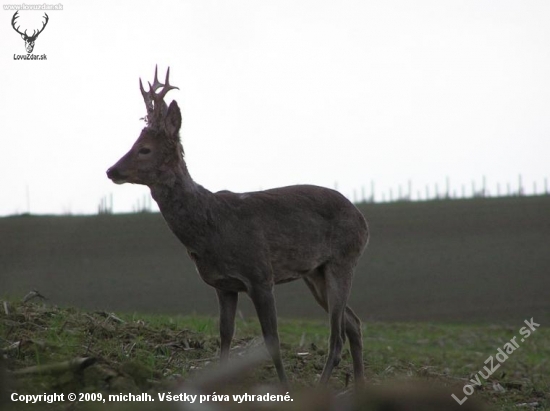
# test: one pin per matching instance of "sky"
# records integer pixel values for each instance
(344, 94)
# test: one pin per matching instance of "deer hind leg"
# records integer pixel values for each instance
(350, 326)
(264, 302)
(353, 331)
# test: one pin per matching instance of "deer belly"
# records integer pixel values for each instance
(226, 284)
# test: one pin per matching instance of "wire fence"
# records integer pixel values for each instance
(401, 193)
(446, 191)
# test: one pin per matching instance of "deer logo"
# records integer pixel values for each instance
(29, 40)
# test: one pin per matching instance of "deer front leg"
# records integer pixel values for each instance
(228, 306)
(264, 302)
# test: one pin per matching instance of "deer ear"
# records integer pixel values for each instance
(172, 121)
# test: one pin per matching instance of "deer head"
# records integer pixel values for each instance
(158, 150)
(29, 40)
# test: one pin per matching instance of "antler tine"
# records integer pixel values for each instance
(146, 97)
(45, 23)
(167, 86)
(156, 82)
(16, 16)
(143, 93)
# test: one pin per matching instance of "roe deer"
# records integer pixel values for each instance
(251, 241)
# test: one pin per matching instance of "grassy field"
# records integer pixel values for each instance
(136, 353)
(442, 286)
(461, 261)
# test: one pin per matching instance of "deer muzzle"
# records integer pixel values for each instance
(116, 176)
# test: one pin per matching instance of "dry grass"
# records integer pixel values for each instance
(49, 349)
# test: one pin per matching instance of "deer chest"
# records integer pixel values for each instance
(216, 276)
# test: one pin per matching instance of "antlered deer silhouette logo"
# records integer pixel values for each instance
(29, 40)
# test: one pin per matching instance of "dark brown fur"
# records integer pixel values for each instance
(248, 242)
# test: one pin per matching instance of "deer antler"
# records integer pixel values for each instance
(35, 33)
(43, 26)
(15, 16)
(154, 102)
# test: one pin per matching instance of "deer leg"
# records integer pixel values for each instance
(331, 291)
(228, 306)
(336, 342)
(264, 302)
(353, 331)
(316, 284)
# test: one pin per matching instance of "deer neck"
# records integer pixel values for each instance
(186, 206)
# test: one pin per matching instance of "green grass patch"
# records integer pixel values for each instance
(152, 353)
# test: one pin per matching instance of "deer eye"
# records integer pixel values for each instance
(144, 150)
